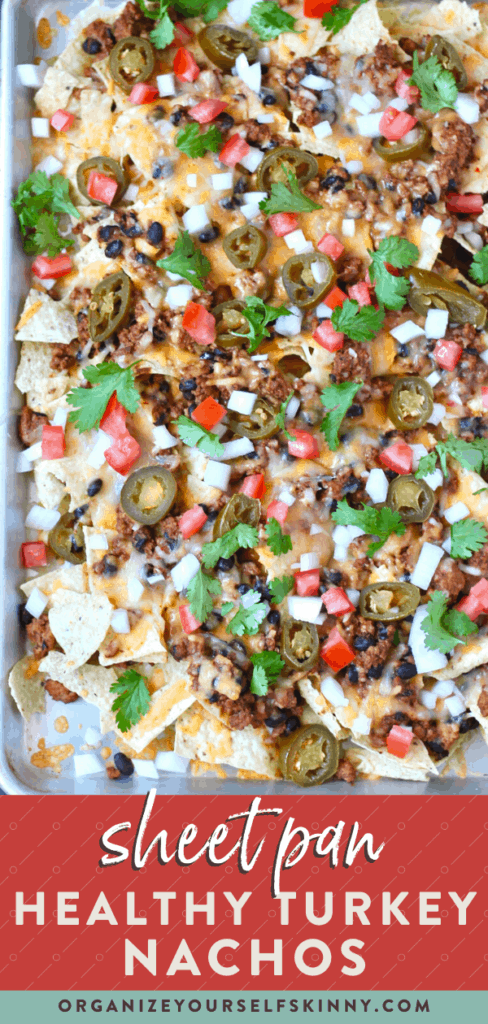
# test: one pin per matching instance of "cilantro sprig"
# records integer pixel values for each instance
(339, 17)
(91, 403)
(479, 267)
(241, 536)
(337, 398)
(208, 10)
(268, 20)
(258, 315)
(467, 537)
(133, 701)
(360, 323)
(163, 33)
(437, 85)
(267, 667)
(470, 455)
(280, 417)
(199, 591)
(195, 143)
(391, 291)
(246, 621)
(380, 523)
(278, 541)
(287, 198)
(37, 201)
(196, 436)
(280, 587)
(443, 627)
(187, 260)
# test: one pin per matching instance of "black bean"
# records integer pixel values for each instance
(109, 569)
(94, 487)
(403, 351)
(361, 643)
(123, 764)
(467, 724)
(240, 186)
(405, 578)
(229, 203)
(353, 674)
(212, 515)
(334, 182)
(25, 617)
(139, 540)
(269, 99)
(243, 588)
(191, 408)
(274, 617)
(431, 198)
(188, 385)
(436, 747)
(354, 410)
(375, 672)
(213, 698)
(451, 185)
(210, 234)
(204, 508)
(383, 633)
(225, 121)
(418, 206)
(292, 724)
(92, 46)
(224, 564)
(176, 116)
(155, 233)
(276, 719)
(106, 232)
(80, 511)
(406, 670)
(333, 505)
(263, 590)
(114, 248)
(142, 258)
(369, 181)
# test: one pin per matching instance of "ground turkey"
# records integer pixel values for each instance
(346, 771)
(483, 702)
(40, 636)
(59, 692)
(448, 578)
(279, 710)
(64, 357)
(453, 141)
(371, 642)
(102, 33)
(132, 22)
(30, 426)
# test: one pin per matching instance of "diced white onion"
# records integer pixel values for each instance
(428, 560)
(97, 542)
(309, 560)
(168, 761)
(120, 621)
(92, 736)
(40, 518)
(434, 480)
(471, 569)
(22, 464)
(475, 240)
(407, 332)
(467, 108)
(40, 127)
(369, 125)
(222, 182)
(456, 512)
(288, 326)
(217, 474)
(195, 219)
(34, 452)
(316, 83)
(242, 401)
(191, 180)
(31, 75)
(250, 74)
(163, 438)
(354, 166)
(305, 609)
(372, 99)
(135, 590)
(377, 485)
(255, 197)
(183, 572)
(362, 725)
(333, 692)
(252, 160)
(436, 323)
(455, 705)
(360, 103)
(322, 130)
(156, 578)
(315, 529)
(340, 535)
(292, 407)
(48, 283)
(144, 769)
(419, 450)
(296, 240)
(319, 270)
(87, 764)
(287, 498)
(425, 660)
(354, 531)
(179, 295)
(131, 193)
(437, 414)
(323, 311)
(428, 699)
(239, 10)
(220, 428)
(249, 598)
(250, 210)
(433, 378)
(484, 355)
(398, 103)
(265, 118)
(431, 225)
(353, 595)
(237, 448)
(96, 457)
(166, 84)
(50, 165)
(60, 418)
(36, 603)
(340, 553)
(443, 688)
(447, 545)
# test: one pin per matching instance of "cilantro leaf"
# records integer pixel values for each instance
(339, 17)
(442, 626)
(91, 403)
(46, 237)
(378, 522)
(164, 33)
(287, 198)
(196, 436)
(278, 541)
(133, 701)
(427, 464)
(399, 252)
(437, 85)
(187, 261)
(199, 591)
(209, 11)
(337, 398)
(267, 667)
(60, 200)
(227, 607)
(247, 620)
(361, 323)
(268, 20)
(280, 587)
(470, 455)
(241, 536)
(467, 536)
(479, 266)
(480, 490)
(212, 10)
(194, 143)
(280, 416)
(38, 199)
(258, 315)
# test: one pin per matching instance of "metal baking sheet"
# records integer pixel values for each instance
(19, 46)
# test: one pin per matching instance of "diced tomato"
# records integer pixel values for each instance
(484, 398)
(480, 593)
(331, 246)
(234, 150)
(208, 413)
(447, 354)
(277, 510)
(207, 111)
(283, 223)
(199, 323)
(361, 293)
(316, 8)
(185, 66)
(398, 740)
(62, 121)
(304, 445)
(253, 486)
(143, 93)
(394, 124)
(123, 453)
(398, 457)
(336, 651)
(470, 203)
(308, 583)
(45, 268)
(337, 602)
(470, 606)
(182, 34)
(188, 621)
(328, 337)
(53, 443)
(336, 297)
(33, 553)
(113, 419)
(407, 92)
(192, 521)
(101, 187)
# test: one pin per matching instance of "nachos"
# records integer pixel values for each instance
(255, 378)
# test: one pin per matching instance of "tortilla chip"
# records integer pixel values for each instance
(57, 477)
(363, 32)
(68, 577)
(203, 738)
(79, 623)
(92, 682)
(56, 89)
(321, 707)
(143, 643)
(447, 18)
(475, 683)
(466, 656)
(93, 130)
(309, 37)
(170, 701)
(34, 365)
(26, 688)
(52, 322)
(416, 766)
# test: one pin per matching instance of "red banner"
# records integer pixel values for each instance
(301, 893)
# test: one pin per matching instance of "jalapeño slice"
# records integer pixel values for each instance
(413, 499)
(411, 403)
(245, 247)
(240, 509)
(388, 602)
(148, 494)
(67, 541)
(131, 61)
(299, 644)
(104, 165)
(260, 423)
(109, 307)
(310, 756)
(223, 44)
(270, 170)
(301, 285)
